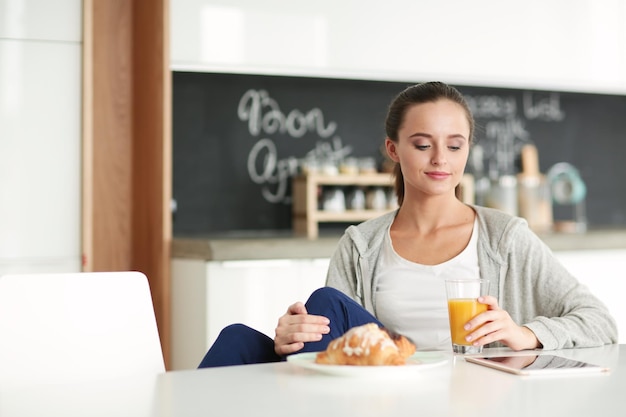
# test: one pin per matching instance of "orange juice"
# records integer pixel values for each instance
(460, 311)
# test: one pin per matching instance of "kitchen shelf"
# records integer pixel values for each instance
(307, 216)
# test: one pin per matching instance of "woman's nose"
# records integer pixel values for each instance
(438, 158)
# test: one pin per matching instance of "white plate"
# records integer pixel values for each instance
(414, 364)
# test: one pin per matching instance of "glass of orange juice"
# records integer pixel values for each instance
(463, 305)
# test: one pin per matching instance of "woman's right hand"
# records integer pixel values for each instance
(296, 327)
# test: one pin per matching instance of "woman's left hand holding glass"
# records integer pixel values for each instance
(496, 325)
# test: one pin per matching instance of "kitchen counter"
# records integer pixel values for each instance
(266, 245)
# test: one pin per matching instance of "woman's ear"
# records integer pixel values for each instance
(390, 146)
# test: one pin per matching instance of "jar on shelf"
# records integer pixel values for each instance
(376, 199)
(392, 199)
(355, 199)
(329, 167)
(367, 165)
(333, 199)
(349, 166)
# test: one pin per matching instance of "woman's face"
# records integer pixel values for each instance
(432, 148)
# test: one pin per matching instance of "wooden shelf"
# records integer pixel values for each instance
(349, 179)
(346, 216)
(307, 216)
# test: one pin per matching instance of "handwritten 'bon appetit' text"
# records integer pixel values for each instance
(264, 117)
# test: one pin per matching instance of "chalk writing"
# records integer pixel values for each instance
(264, 116)
(333, 151)
(504, 130)
(505, 127)
(273, 171)
(503, 136)
(492, 106)
(545, 108)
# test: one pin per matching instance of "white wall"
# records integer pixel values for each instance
(40, 81)
(603, 273)
(568, 45)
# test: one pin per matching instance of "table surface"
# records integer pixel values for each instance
(455, 388)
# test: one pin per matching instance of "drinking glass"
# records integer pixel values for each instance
(463, 305)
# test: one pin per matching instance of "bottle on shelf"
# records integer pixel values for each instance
(534, 198)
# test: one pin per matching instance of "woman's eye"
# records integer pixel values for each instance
(422, 147)
(454, 148)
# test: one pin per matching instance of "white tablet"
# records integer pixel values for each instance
(533, 364)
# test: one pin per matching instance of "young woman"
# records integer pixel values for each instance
(391, 270)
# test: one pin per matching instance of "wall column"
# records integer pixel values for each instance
(127, 144)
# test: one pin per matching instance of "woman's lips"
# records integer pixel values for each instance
(438, 175)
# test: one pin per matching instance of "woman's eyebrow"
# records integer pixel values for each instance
(420, 135)
(428, 135)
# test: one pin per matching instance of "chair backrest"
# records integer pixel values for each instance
(77, 327)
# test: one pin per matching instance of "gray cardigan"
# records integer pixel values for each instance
(528, 281)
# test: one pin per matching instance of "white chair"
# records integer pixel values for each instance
(77, 327)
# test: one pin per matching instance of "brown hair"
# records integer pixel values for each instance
(418, 94)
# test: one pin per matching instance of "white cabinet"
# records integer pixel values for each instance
(39, 150)
(58, 20)
(40, 135)
(207, 296)
(370, 40)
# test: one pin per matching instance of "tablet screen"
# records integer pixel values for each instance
(535, 364)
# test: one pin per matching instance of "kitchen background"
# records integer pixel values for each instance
(557, 45)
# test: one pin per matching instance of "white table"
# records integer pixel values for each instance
(456, 388)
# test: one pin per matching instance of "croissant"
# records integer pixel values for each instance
(367, 345)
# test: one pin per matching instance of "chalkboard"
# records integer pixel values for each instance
(238, 139)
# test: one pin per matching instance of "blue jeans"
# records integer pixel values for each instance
(239, 344)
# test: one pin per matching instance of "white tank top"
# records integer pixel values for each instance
(411, 298)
